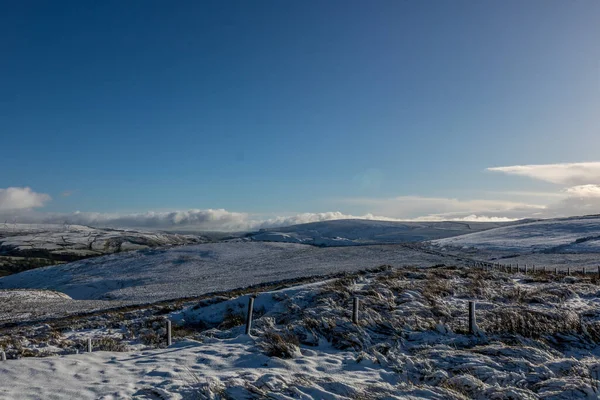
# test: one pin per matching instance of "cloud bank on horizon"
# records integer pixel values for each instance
(208, 220)
(579, 194)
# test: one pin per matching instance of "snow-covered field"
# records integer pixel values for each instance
(568, 235)
(20, 305)
(352, 232)
(69, 242)
(537, 338)
(186, 271)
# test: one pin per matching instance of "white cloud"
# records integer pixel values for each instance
(316, 217)
(468, 218)
(411, 207)
(568, 174)
(581, 182)
(585, 191)
(19, 198)
(209, 219)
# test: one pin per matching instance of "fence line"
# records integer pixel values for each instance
(510, 268)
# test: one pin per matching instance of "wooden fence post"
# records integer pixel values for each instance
(472, 320)
(89, 345)
(355, 310)
(2, 356)
(249, 315)
(569, 271)
(583, 271)
(169, 337)
(525, 269)
(555, 271)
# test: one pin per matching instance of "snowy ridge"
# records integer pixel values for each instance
(351, 232)
(567, 235)
(72, 242)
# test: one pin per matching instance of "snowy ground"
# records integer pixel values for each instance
(186, 271)
(19, 305)
(564, 243)
(567, 235)
(537, 338)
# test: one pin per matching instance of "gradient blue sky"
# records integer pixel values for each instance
(282, 107)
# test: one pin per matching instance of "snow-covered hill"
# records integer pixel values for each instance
(156, 274)
(73, 242)
(351, 232)
(565, 235)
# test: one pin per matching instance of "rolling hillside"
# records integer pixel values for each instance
(351, 232)
(60, 242)
(157, 274)
(565, 235)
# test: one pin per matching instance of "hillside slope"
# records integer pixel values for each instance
(156, 274)
(351, 232)
(73, 242)
(564, 235)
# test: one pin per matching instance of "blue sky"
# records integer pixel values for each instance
(271, 108)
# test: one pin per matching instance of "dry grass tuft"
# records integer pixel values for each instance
(232, 319)
(280, 344)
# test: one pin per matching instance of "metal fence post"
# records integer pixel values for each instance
(472, 320)
(355, 310)
(249, 315)
(169, 337)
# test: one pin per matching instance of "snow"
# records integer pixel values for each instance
(275, 237)
(538, 335)
(409, 344)
(185, 370)
(70, 242)
(31, 305)
(360, 232)
(25, 295)
(187, 271)
(569, 235)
